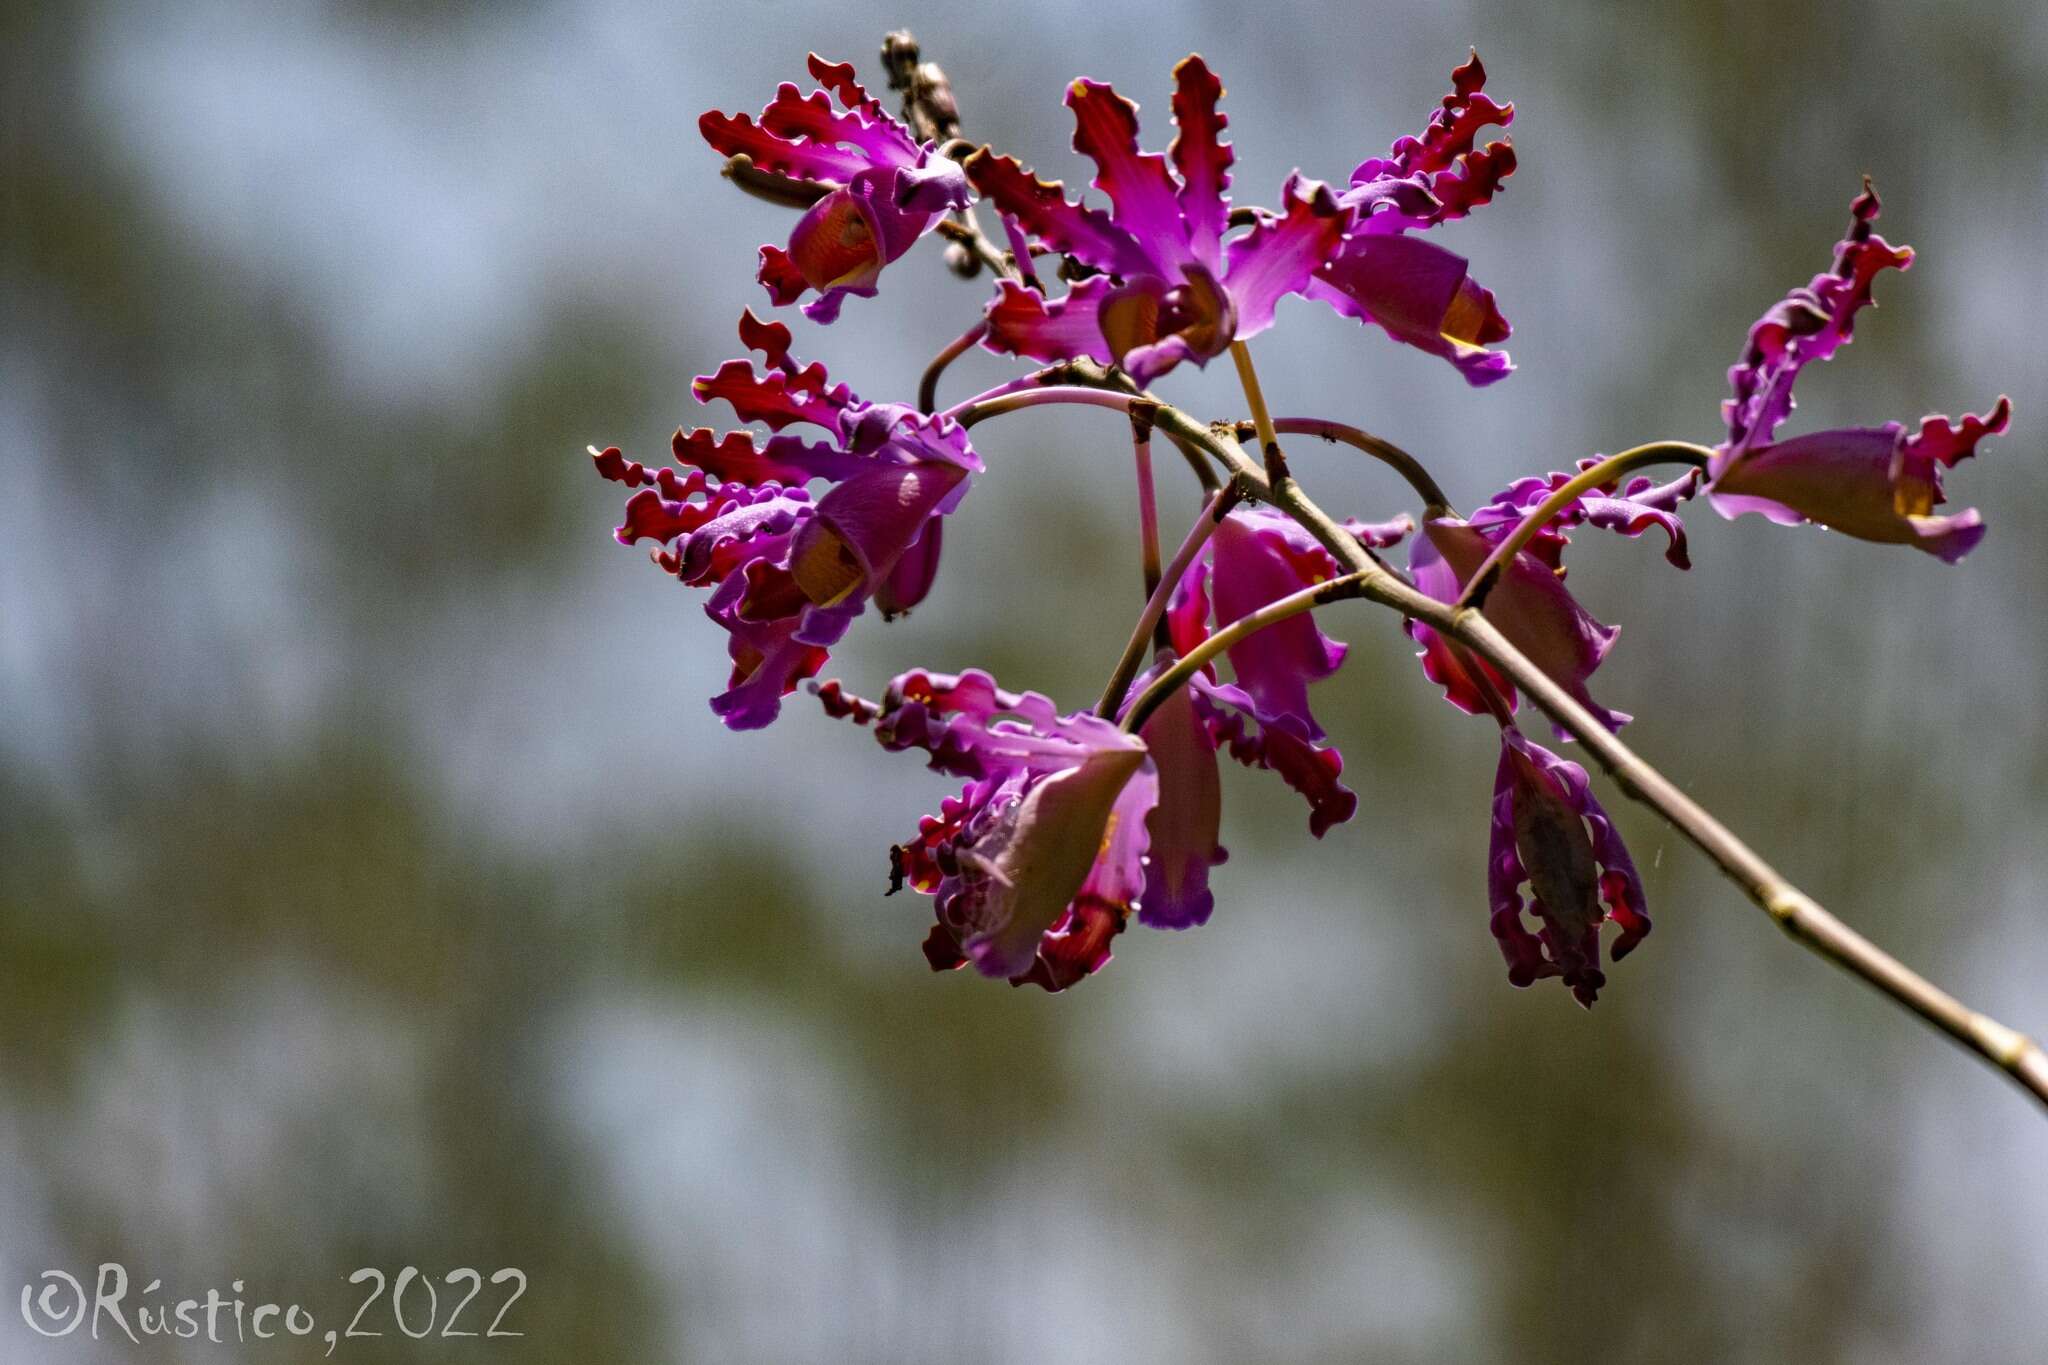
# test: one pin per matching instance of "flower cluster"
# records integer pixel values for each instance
(1070, 824)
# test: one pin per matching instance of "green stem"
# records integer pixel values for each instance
(1148, 501)
(1434, 503)
(928, 386)
(1133, 657)
(1608, 470)
(1094, 378)
(1262, 419)
(995, 404)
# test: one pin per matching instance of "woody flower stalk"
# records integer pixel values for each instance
(1072, 824)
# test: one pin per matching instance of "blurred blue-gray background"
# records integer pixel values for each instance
(377, 890)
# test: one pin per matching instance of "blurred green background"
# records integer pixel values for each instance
(376, 888)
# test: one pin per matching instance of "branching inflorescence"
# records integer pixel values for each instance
(1070, 824)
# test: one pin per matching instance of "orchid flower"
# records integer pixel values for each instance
(788, 574)
(1530, 603)
(1552, 835)
(1255, 557)
(1165, 287)
(1874, 483)
(1038, 862)
(1260, 556)
(883, 189)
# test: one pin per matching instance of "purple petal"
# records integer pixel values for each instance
(1382, 535)
(1077, 945)
(780, 277)
(1184, 823)
(1810, 323)
(745, 524)
(737, 134)
(866, 132)
(786, 393)
(1043, 210)
(1187, 610)
(972, 728)
(1202, 158)
(1419, 294)
(1040, 860)
(767, 664)
(931, 186)
(1443, 161)
(912, 577)
(1463, 676)
(738, 457)
(1629, 512)
(1020, 244)
(863, 526)
(1261, 556)
(838, 77)
(1022, 322)
(842, 242)
(1143, 196)
(1873, 483)
(1017, 879)
(1311, 769)
(900, 434)
(1280, 254)
(1152, 326)
(886, 190)
(841, 143)
(789, 574)
(1549, 831)
(1232, 718)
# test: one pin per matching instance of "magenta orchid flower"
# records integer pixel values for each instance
(1417, 292)
(1552, 835)
(788, 573)
(1039, 861)
(1255, 557)
(1874, 483)
(1261, 556)
(1530, 603)
(1167, 288)
(884, 189)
